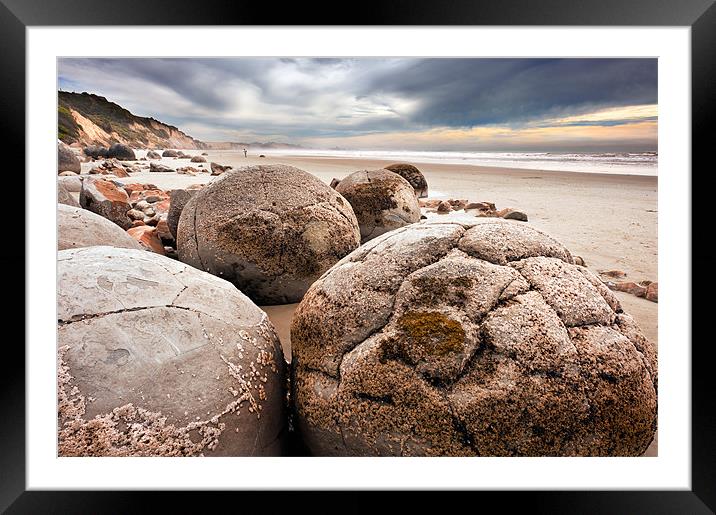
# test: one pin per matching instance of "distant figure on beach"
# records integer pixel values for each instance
(245, 153)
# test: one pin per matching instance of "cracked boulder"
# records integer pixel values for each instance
(156, 358)
(381, 200)
(271, 230)
(414, 176)
(77, 227)
(106, 199)
(470, 337)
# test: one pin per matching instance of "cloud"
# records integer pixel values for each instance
(301, 99)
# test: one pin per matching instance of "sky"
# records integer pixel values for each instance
(525, 104)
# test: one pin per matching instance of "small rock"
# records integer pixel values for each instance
(67, 173)
(457, 204)
(121, 152)
(481, 206)
(513, 214)
(198, 159)
(135, 214)
(334, 183)
(444, 206)
(652, 292)
(616, 274)
(170, 153)
(432, 203)
(137, 223)
(153, 155)
(262, 155)
(579, 260)
(155, 167)
(628, 287)
(217, 169)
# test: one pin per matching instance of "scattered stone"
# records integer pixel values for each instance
(444, 207)
(155, 167)
(616, 274)
(457, 204)
(474, 339)
(414, 176)
(198, 159)
(652, 292)
(432, 203)
(67, 160)
(121, 152)
(480, 206)
(217, 169)
(513, 214)
(107, 200)
(204, 153)
(77, 227)
(262, 155)
(163, 231)
(381, 200)
(135, 214)
(156, 358)
(272, 230)
(153, 155)
(170, 153)
(628, 287)
(187, 170)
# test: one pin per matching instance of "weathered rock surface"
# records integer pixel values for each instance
(121, 152)
(177, 201)
(67, 160)
(381, 200)
(65, 197)
(71, 183)
(146, 235)
(414, 176)
(106, 199)
(271, 230)
(153, 155)
(171, 153)
(159, 359)
(77, 227)
(469, 338)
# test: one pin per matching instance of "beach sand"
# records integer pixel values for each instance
(609, 220)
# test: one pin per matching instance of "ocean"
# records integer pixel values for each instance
(622, 163)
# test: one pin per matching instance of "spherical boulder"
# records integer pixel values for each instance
(414, 176)
(198, 159)
(271, 230)
(95, 151)
(121, 152)
(153, 154)
(67, 160)
(171, 153)
(469, 338)
(77, 227)
(156, 358)
(382, 201)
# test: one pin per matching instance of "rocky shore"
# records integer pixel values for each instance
(414, 310)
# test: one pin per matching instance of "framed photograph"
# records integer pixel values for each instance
(418, 249)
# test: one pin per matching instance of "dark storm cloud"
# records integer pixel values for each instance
(302, 97)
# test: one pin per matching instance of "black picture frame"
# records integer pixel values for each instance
(700, 15)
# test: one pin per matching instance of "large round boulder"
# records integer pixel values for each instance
(157, 358)
(381, 200)
(77, 227)
(171, 153)
(477, 338)
(411, 174)
(121, 152)
(67, 160)
(271, 230)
